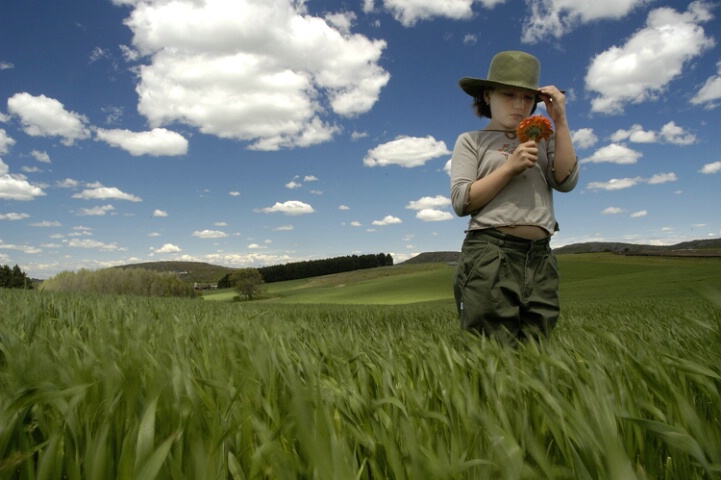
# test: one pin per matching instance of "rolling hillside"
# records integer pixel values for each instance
(207, 273)
(694, 248)
(188, 271)
(593, 277)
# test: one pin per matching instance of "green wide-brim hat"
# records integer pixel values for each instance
(508, 69)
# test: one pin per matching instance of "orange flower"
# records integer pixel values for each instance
(534, 128)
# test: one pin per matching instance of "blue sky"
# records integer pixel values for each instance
(258, 132)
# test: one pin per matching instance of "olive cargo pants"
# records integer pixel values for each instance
(506, 287)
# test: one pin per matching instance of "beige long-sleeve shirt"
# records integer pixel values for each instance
(526, 200)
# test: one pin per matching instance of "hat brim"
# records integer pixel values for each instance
(476, 86)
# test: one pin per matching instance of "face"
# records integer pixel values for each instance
(509, 106)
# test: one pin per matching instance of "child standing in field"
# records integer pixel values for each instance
(506, 283)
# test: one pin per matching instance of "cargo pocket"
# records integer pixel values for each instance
(476, 274)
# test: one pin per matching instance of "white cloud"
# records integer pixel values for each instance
(614, 153)
(710, 168)
(310, 178)
(662, 178)
(46, 117)
(157, 142)
(102, 193)
(429, 203)
(621, 183)
(23, 248)
(640, 70)
(635, 134)
(234, 194)
(406, 151)
(355, 223)
(433, 215)
(94, 244)
(639, 214)
(387, 220)
(96, 211)
(612, 211)
(16, 187)
(6, 65)
(260, 71)
(292, 185)
(13, 216)
(614, 184)
(113, 115)
(97, 54)
(209, 234)
(672, 133)
(128, 53)
(168, 248)
(67, 183)
(409, 12)
(584, 138)
(341, 21)
(709, 94)
(555, 18)
(343, 207)
(283, 228)
(5, 142)
(248, 259)
(160, 213)
(40, 156)
(291, 207)
(46, 223)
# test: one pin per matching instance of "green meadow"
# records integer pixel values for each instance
(586, 278)
(366, 375)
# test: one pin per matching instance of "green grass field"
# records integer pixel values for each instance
(366, 375)
(585, 278)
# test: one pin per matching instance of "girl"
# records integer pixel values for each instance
(506, 283)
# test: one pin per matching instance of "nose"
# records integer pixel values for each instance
(520, 100)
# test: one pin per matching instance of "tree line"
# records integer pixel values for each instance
(126, 281)
(14, 278)
(315, 268)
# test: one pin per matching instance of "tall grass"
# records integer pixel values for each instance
(99, 387)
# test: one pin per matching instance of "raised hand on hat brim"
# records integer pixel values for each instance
(555, 102)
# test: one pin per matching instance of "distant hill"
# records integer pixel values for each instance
(693, 248)
(207, 273)
(433, 257)
(187, 271)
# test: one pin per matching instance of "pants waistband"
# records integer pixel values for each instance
(511, 241)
